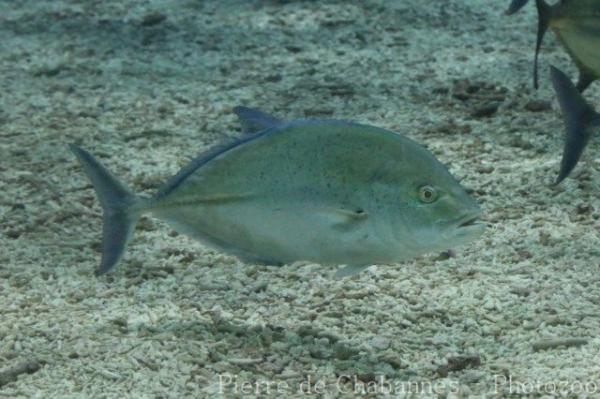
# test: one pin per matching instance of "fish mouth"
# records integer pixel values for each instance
(467, 227)
(469, 221)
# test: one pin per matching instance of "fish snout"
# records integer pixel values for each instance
(470, 224)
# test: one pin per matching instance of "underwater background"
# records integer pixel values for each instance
(147, 85)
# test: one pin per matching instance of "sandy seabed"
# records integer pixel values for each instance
(146, 85)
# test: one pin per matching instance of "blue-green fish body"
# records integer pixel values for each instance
(331, 192)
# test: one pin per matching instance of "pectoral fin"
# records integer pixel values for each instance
(349, 271)
(355, 215)
(344, 219)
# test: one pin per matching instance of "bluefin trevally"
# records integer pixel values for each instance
(576, 24)
(327, 191)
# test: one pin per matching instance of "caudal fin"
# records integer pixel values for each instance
(579, 118)
(119, 215)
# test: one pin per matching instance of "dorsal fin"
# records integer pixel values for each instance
(254, 120)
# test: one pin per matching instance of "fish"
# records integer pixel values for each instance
(515, 5)
(331, 192)
(580, 120)
(576, 24)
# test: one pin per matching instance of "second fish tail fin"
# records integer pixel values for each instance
(579, 117)
(120, 209)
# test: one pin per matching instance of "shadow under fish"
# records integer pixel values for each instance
(328, 191)
(576, 24)
(580, 119)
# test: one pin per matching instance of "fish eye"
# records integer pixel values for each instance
(427, 194)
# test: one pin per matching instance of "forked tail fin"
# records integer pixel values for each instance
(119, 215)
(579, 118)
